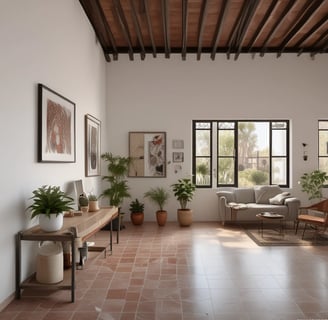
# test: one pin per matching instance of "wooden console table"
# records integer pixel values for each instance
(82, 227)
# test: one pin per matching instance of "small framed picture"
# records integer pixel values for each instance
(177, 157)
(177, 144)
(56, 127)
(92, 146)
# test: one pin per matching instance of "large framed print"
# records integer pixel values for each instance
(56, 127)
(92, 146)
(147, 151)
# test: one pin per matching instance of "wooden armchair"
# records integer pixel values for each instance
(315, 221)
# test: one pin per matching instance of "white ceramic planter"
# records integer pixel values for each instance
(52, 223)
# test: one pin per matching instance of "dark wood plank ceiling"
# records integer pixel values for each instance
(212, 27)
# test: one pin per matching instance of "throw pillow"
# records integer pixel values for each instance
(280, 198)
(264, 193)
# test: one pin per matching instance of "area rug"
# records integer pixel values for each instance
(271, 237)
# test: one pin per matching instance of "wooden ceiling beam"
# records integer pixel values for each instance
(237, 27)
(318, 25)
(276, 25)
(306, 13)
(218, 29)
(166, 27)
(251, 10)
(138, 30)
(149, 26)
(323, 38)
(184, 29)
(201, 27)
(124, 26)
(95, 13)
(263, 22)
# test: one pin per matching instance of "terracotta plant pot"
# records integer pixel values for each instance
(137, 218)
(184, 217)
(161, 217)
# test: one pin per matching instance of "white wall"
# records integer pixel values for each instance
(167, 94)
(51, 42)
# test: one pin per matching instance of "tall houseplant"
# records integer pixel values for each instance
(313, 182)
(184, 191)
(159, 196)
(49, 204)
(117, 167)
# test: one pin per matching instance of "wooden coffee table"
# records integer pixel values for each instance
(271, 217)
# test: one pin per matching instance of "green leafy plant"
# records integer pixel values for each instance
(48, 200)
(136, 206)
(117, 168)
(313, 182)
(159, 196)
(83, 200)
(184, 191)
(92, 197)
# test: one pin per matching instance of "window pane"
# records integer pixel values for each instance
(203, 171)
(323, 143)
(279, 143)
(279, 125)
(323, 125)
(203, 125)
(226, 171)
(226, 143)
(203, 147)
(226, 125)
(279, 171)
(323, 164)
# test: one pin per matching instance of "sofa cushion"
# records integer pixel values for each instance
(264, 193)
(279, 198)
(244, 195)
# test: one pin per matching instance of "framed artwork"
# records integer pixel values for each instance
(56, 127)
(148, 153)
(177, 144)
(92, 146)
(177, 157)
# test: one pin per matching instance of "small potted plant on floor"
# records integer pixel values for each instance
(159, 196)
(137, 212)
(184, 191)
(49, 204)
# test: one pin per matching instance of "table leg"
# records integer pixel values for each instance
(18, 265)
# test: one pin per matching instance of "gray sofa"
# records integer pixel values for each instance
(243, 204)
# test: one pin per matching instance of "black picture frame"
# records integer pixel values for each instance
(92, 146)
(56, 127)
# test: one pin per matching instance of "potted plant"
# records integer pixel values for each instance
(137, 212)
(83, 203)
(184, 191)
(117, 167)
(313, 182)
(159, 196)
(49, 204)
(93, 203)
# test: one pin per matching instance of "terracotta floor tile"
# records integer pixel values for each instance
(201, 272)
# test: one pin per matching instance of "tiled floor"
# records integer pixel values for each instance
(201, 272)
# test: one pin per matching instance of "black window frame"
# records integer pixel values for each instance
(212, 155)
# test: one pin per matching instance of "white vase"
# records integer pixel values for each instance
(51, 223)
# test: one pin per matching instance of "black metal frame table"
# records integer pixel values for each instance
(271, 217)
(82, 227)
